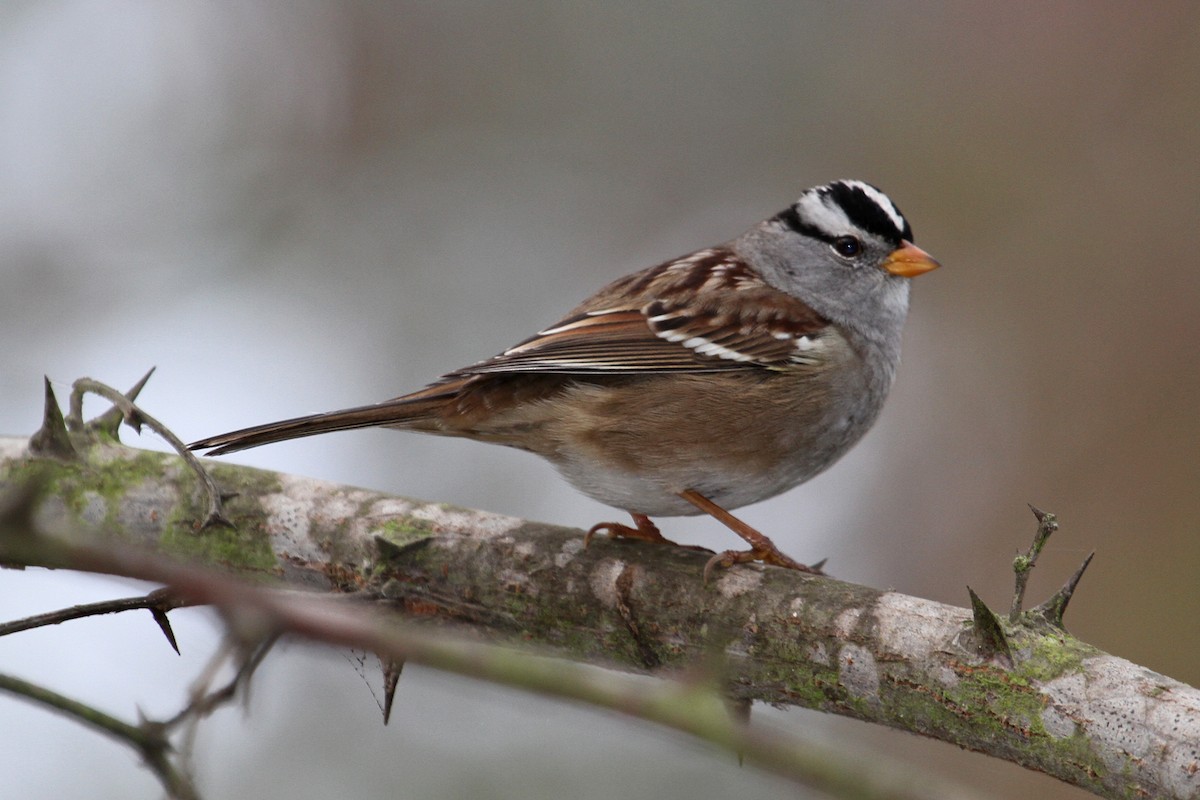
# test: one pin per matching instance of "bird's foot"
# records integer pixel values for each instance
(761, 548)
(773, 556)
(644, 529)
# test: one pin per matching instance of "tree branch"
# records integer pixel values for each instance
(145, 739)
(1062, 707)
(158, 603)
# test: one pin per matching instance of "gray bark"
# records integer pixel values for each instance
(1059, 706)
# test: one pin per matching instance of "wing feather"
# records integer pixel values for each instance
(707, 312)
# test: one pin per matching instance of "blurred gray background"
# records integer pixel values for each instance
(290, 208)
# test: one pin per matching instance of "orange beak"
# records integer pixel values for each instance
(909, 261)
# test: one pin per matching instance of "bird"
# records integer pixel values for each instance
(702, 384)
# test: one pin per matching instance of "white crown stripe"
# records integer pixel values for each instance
(824, 214)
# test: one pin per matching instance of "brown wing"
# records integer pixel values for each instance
(703, 313)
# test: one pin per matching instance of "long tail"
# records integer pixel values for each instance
(410, 409)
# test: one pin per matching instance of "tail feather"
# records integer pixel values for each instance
(392, 412)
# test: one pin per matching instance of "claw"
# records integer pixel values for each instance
(761, 548)
(646, 530)
(729, 558)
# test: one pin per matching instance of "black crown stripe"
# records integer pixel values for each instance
(861, 210)
(865, 212)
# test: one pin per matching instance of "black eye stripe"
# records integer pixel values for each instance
(790, 218)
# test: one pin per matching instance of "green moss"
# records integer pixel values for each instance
(228, 546)
(792, 667)
(1051, 655)
(246, 481)
(94, 491)
(404, 532)
(247, 545)
(1006, 701)
(83, 485)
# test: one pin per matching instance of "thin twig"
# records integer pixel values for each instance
(1024, 563)
(153, 747)
(204, 701)
(156, 600)
(135, 417)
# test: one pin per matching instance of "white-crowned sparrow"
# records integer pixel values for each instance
(702, 384)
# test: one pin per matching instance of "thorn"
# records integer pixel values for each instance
(739, 710)
(108, 422)
(217, 519)
(989, 634)
(52, 439)
(164, 625)
(391, 678)
(387, 550)
(1047, 524)
(162, 601)
(819, 567)
(133, 393)
(1055, 608)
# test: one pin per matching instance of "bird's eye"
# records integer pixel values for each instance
(847, 246)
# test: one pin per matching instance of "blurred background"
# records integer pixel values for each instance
(290, 208)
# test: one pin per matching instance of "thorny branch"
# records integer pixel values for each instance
(782, 637)
(135, 418)
(1024, 563)
(158, 603)
(257, 616)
